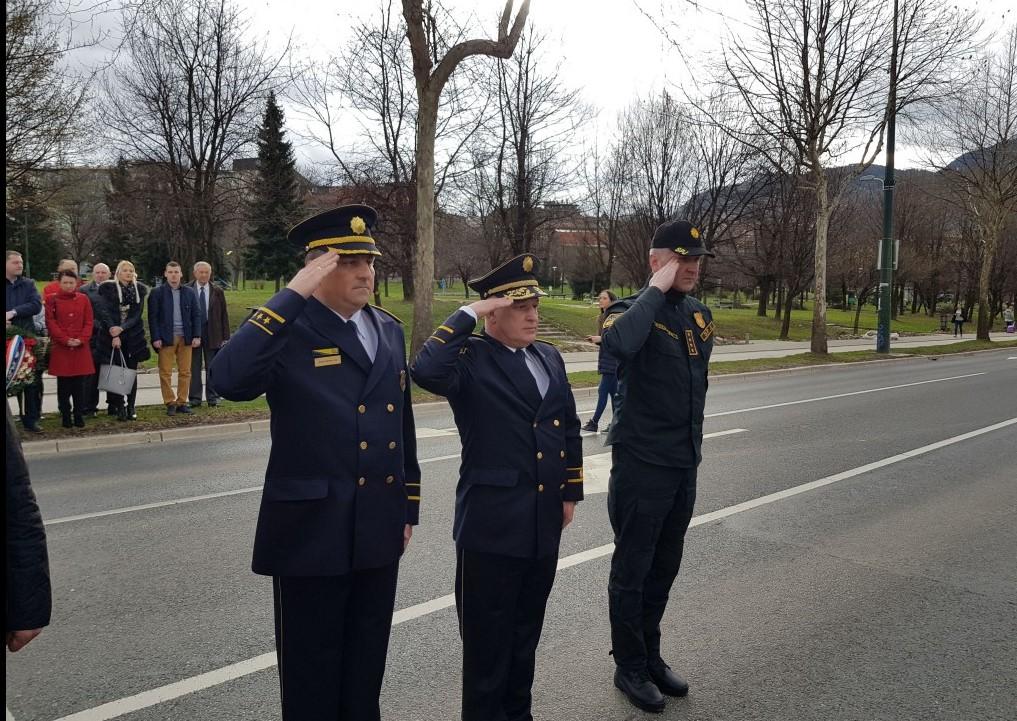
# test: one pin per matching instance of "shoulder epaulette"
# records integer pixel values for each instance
(389, 313)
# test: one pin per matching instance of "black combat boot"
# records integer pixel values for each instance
(639, 689)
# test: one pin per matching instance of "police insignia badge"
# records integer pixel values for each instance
(357, 225)
(690, 339)
(609, 321)
(700, 321)
(527, 264)
(681, 251)
(694, 232)
(402, 380)
(705, 335)
(326, 357)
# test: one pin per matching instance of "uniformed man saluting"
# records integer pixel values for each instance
(662, 338)
(520, 479)
(342, 488)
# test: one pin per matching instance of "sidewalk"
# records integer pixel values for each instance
(150, 395)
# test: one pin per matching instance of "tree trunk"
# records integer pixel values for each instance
(858, 310)
(990, 235)
(764, 295)
(778, 306)
(423, 272)
(819, 344)
(785, 325)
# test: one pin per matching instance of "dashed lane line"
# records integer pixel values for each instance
(120, 707)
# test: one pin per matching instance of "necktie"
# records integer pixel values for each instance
(524, 377)
(201, 302)
(354, 331)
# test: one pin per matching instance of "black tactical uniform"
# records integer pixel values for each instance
(663, 344)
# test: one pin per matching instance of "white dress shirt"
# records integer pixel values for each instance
(532, 362)
(366, 331)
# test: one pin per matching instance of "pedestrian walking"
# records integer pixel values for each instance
(121, 334)
(521, 477)
(69, 320)
(1008, 322)
(958, 322)
(22, 305)
(100, 274)
(174, 322)
(215, 331)
(662, 338)
(342, 487)
(607, 366)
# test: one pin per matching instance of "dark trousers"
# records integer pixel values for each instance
(201, 357)
(117, 401)
(500, 601)
(331, 638)
(607, 389)
(650, 508)
(71, 389)
(31, 408)
(91, 393)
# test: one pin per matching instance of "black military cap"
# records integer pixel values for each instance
(515, 279)
(681, 237)
(346, 230)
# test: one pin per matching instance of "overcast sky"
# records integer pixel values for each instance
(608, 49)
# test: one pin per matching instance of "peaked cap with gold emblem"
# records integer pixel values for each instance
(681, 237)
(515, 279)
(346, 230)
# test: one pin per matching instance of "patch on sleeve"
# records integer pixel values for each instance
(266, 319)
(707, 332)
(609, 321)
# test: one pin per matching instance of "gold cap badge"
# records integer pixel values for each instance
(357, 225)
(527, 264)
(694, 232)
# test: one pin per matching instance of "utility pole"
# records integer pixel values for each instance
(886, 249)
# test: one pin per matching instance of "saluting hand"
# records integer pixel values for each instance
(308, 278)
(663, 278)
(485, 307)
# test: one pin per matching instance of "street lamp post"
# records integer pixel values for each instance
(886, 246)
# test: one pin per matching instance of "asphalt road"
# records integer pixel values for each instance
(885, 591)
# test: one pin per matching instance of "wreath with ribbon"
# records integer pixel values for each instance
(34, 358)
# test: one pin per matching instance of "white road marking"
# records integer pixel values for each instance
(841, 395)
(120, 707)
(597, 468)
(190, 499)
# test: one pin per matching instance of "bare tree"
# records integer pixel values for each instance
(78, 210)
(431, 73)
(188, 100)
(976, 137)
(372, 85)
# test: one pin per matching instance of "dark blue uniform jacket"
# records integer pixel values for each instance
(342, 477)
(663, 345)
(520, 459)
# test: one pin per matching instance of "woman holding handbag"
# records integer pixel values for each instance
(121, 334)
(69, 321)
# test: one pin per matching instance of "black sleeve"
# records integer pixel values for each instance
(627, 328)
(29, 597)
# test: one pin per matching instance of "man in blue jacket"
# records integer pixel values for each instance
(174, 323)
(520, 479)
(342, 488)
(23, 303)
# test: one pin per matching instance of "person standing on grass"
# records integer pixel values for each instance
(1008, 317)
(22, 304)
(215, 331)
(958, 322)
(100, 274)
(174, 322)
(120, 331)
(607, 365)
(69, 320)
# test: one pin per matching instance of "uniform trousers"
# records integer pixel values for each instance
(650, 508)
(500, 601)
(331, 637)
(202, 356)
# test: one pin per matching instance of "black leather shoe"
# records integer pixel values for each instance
(171, 409)
(637, 686)
(589, 426)
(667, 680)
(195, 404)
(213, 404)
(32, 427)
(185, 410)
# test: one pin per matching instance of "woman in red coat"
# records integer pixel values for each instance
(69, 321)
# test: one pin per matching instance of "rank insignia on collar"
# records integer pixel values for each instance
(700, 321)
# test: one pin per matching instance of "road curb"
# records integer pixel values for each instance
(188, 433)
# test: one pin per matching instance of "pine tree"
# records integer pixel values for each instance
(29, 230)
(276, 203)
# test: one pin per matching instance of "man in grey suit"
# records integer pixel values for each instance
(215, 331)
